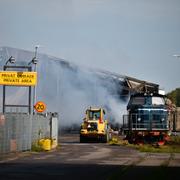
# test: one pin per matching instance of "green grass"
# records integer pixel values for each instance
(159, 149)
(172, 146)
(174, 140)
(117, 141)
(36, 147)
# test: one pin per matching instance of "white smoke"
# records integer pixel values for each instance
(70, 90)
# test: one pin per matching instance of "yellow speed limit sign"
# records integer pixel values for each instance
(40, 106)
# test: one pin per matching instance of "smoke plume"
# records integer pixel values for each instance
(69, 89)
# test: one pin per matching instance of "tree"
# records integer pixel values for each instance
(174, 96)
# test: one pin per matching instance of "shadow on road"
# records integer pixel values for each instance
(9, 171)
(69, 138)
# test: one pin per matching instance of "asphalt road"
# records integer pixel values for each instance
(74, 160)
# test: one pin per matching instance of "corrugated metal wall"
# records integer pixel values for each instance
(15, 132)
(19, 130)
(40, 127)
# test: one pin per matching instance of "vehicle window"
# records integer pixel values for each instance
(94, 114)
(158, 101)
(138, 100)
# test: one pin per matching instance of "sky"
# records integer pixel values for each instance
(136, 38)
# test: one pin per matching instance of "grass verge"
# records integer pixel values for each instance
(172, 146)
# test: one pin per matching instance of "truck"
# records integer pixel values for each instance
(95, 127)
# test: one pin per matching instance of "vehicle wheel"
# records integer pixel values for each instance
(82, 139)
(105, 138)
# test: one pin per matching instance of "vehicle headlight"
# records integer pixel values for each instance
(139, 119)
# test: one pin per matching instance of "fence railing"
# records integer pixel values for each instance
(155, 121)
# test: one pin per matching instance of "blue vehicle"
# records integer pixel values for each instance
(147, 120)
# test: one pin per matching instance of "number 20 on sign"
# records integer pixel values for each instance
(40, 106)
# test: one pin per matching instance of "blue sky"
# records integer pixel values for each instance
(130, 37)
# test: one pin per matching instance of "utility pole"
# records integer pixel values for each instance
(35, 69)
(34, 61)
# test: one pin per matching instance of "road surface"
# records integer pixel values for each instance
(74, 160)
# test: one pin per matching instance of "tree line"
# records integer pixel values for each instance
(174, 96)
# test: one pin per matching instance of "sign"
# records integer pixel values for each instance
(40, 106)
(17, 78)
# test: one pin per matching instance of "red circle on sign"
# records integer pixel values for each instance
(40, 106)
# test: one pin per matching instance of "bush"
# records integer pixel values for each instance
(36, 147)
